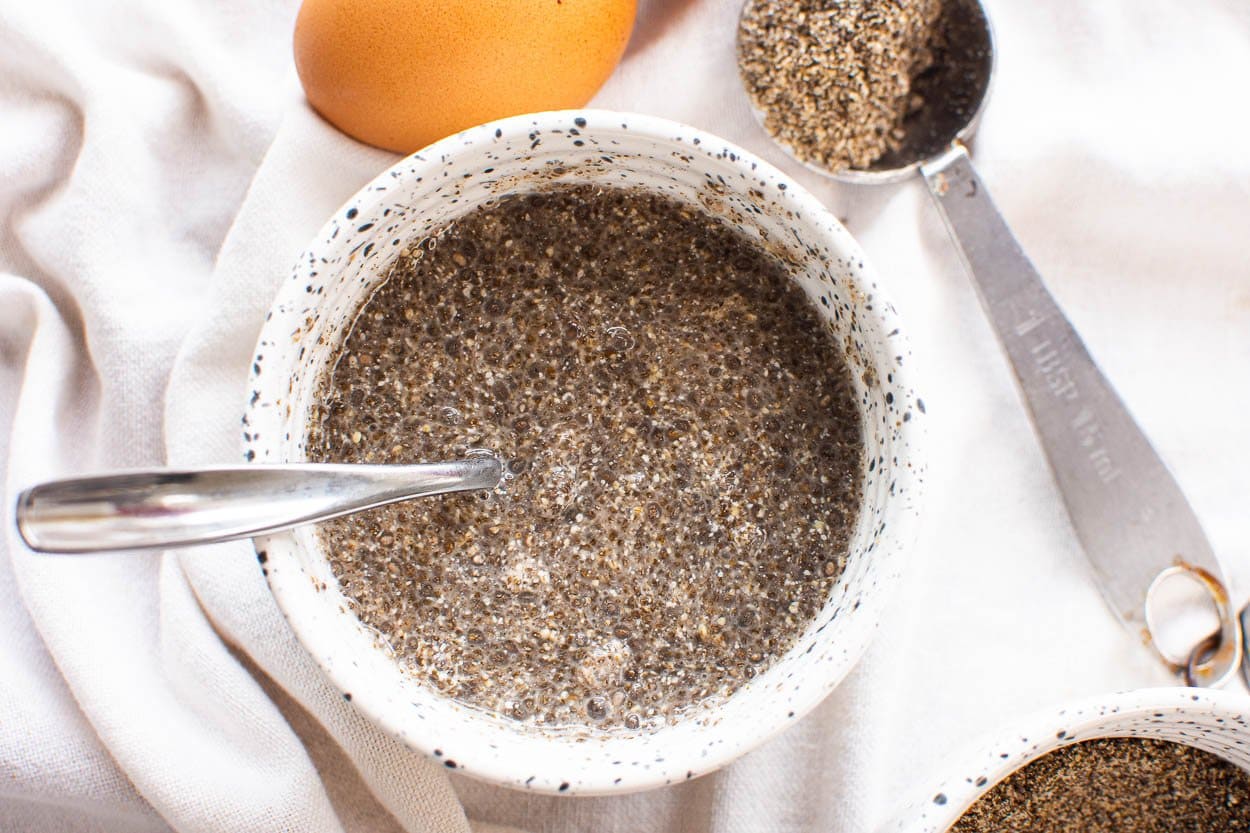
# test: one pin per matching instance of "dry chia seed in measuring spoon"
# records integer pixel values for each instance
(684, 448)
(1117, 785)
(861, 84)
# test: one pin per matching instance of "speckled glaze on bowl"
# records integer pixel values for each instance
(1214, 721)
(421, 194)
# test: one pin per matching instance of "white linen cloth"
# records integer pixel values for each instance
(151, 692)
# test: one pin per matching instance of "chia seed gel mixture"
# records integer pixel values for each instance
(1117, 785)
(683, 446)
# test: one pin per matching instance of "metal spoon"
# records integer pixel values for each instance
(172, 508)
(1134, 523)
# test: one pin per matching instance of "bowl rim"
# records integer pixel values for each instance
(739, 739)
(1045, 730)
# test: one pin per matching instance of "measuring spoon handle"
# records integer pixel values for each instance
(1127, 509)
(168, 508)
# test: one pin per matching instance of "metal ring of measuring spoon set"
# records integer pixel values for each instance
(1220, 649)
(1134, 523)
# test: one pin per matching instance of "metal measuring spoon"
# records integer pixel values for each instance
(1134, 523)
(172, 508)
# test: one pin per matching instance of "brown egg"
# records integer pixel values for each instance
(400, 74)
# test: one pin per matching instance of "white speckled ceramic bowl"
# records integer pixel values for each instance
(1214, 721)
(422, 193)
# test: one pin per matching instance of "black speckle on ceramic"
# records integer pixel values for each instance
(1214, 721)
(421, 194)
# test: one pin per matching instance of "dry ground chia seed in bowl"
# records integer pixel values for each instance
(683, 438)
(1117, 785)
(840, 602)
(1162, 760)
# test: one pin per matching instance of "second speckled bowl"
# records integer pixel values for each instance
(348, 259)
(1213, 721)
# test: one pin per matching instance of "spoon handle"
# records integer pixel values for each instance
(169, 508)
(1133, 521)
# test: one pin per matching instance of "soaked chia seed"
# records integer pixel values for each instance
(684, 454)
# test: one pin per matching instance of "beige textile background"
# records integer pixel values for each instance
(159, 173)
